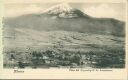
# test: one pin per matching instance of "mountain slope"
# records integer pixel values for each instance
(32, 38)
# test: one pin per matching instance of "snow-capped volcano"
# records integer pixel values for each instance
(64, 10)
(62, 17)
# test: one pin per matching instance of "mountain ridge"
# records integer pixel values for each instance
(80, 23)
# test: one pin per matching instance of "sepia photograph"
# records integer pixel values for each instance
(64, 35)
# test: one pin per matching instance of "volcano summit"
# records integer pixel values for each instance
(64, 10)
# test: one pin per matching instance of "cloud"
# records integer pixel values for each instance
(17, 11)
(102, 10)
(33, 9)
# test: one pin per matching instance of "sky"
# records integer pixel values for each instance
(42, 1)
(99, 10)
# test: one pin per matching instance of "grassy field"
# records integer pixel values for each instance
(92, 55)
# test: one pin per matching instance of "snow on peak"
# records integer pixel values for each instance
(61, 8)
